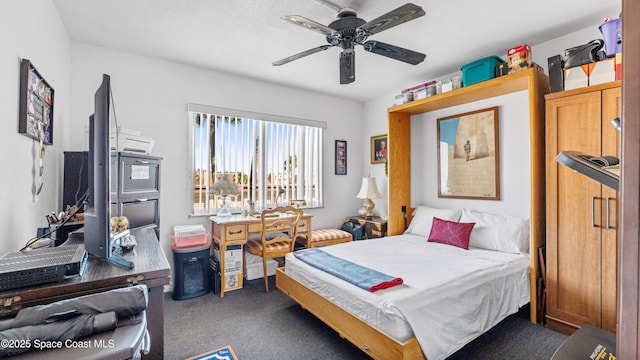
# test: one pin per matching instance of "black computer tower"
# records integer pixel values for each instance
(76, 178)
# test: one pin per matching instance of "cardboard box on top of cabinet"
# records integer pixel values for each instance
(519, 58)
(577, 77)
(602, 72)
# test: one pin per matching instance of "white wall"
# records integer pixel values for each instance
(514, 140)
(513, 126)
(30, 29)
(150, 95)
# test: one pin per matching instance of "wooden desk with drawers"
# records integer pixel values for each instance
(236, 230)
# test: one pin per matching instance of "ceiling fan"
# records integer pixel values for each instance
(348, 30)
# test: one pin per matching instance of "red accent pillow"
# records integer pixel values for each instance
(450, 233)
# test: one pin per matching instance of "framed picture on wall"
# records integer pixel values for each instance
(35, 117)
(469, 156)
(341, 157)
(379, 149)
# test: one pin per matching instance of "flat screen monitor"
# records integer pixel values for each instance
(97, 218)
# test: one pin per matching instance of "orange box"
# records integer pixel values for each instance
(519, 58)
(618, 66)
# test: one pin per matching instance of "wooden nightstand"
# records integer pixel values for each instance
(373, 228)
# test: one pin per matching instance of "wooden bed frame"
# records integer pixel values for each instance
(399, 153)
(370, 340)
(373, 342)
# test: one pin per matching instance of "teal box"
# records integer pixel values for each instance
(480, 70)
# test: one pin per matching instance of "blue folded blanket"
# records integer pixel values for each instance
(358, 275)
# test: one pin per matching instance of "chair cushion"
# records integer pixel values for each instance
(328, 234)
(256, 245)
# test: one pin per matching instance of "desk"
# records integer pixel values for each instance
(236, 229)
(151, 269)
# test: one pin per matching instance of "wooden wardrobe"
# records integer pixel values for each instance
(581, 214)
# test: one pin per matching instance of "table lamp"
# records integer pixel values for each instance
(224, 188)
(368, 190)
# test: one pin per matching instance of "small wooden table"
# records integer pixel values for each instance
(236, 230)
(374, 227)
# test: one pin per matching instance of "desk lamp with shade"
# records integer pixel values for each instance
(368, 191)
(225, 187)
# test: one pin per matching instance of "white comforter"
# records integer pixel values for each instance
(449, 297)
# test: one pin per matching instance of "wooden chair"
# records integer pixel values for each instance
(277, 237)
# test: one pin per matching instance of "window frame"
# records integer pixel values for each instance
(211, 201)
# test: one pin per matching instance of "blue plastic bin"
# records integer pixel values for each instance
(480, 70)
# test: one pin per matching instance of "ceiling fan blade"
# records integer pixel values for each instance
(347, 66)
(301, 55)
(394, 52)
(395, 17)
(309, 24)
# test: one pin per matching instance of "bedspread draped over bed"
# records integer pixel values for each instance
(358, 275)
(449, 296)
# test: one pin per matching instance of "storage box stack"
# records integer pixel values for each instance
(591, 65)
(189, 236)
(593, 73)
(191, 249)
(233, 263)
(422, 91)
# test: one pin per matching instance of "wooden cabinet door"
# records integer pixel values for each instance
(610, 146)
(573, 214)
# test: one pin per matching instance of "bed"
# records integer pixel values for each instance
(450, 295)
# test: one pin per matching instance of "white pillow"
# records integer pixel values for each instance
(504, 233)
(423, 219)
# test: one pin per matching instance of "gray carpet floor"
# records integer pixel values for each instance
(265, 326)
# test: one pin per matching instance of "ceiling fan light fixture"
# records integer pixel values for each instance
(346, 12)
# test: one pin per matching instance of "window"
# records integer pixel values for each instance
(273, 160)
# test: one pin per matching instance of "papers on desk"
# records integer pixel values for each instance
(267, 215)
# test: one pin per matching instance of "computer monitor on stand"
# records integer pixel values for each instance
(97, 218)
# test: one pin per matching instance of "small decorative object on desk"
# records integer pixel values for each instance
(252, 207)
(225, 187)
(120, 234)
(119, 224)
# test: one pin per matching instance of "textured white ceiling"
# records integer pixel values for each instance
(245, 36)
